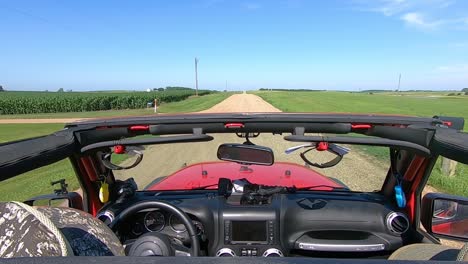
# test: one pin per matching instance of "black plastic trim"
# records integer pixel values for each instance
(148, 141)
(418, 149)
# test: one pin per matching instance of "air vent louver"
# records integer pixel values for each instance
(397, 223)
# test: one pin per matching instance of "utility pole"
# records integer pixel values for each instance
(399, 81)
(196, 76)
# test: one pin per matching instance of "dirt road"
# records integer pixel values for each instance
(242, 103)
(162, 160)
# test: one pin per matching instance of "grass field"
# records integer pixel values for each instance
(37, 182)
(413, 103)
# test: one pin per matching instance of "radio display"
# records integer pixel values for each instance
(249, 231)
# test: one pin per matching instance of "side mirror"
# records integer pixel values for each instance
(445, 216)
(246, 154)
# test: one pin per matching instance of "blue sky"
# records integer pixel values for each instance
(344, 45)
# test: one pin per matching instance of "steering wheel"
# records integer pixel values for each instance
(134, 208)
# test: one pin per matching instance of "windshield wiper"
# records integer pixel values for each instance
(204, 187)
(334, 188)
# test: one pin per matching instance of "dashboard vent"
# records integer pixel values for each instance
(397, 223)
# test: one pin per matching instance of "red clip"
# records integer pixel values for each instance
(447, 123)
(321, 146)
(138, 128)
(119, 149)
(234, 125)
(360, 126)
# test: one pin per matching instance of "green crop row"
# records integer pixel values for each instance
(55, 102)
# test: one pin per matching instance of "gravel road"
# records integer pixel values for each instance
(357, 171)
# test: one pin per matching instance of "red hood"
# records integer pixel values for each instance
(279, 174)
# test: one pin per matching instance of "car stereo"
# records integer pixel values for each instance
(239, 232)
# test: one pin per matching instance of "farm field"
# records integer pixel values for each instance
(38, 181)
(191, 104)
(413, 103)
(56, 102)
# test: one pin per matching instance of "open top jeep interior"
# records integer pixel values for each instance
(330, 188)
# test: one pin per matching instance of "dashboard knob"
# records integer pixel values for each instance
(273, 252)
(225, 252)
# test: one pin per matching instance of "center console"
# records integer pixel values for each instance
(250, 231)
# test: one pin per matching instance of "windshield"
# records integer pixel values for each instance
(195, 165)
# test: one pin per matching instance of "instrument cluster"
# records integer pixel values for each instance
(161, 221)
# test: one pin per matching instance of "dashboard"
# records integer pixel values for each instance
(314, 224)
(159, 221)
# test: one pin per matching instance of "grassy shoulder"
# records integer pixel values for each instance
(37, 182)
(414, 104)
(192, 104)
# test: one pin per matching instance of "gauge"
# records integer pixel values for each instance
(137, 229)
(198, 227)
(176, 224)
(154, 221)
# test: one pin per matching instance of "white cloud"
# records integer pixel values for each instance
(391, 7)
(252, 6)
(420, 21)
(421, 14)
(459, 44)
(456, 68)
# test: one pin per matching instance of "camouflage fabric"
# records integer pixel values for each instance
(463, 255)
(24, 234)
(86, 235)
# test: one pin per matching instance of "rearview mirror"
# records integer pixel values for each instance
(246, 154)
(445, 216)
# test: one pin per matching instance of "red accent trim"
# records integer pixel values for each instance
(139, 128)
(413, 168)
(87, 167)
(119, 149)
(360, 126)
(417, 178)
(321, 146)
(447, 123)
(234, 125)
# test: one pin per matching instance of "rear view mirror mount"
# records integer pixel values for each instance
(445, 216)
(246, 154)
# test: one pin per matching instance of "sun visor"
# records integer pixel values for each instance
(21, 156)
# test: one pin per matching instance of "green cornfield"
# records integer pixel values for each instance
(56, 102)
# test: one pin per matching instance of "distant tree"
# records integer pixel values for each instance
(466, 93)
(69, 91)
(60, 90)
(161, 89)
(465, 90)
(1, 89)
